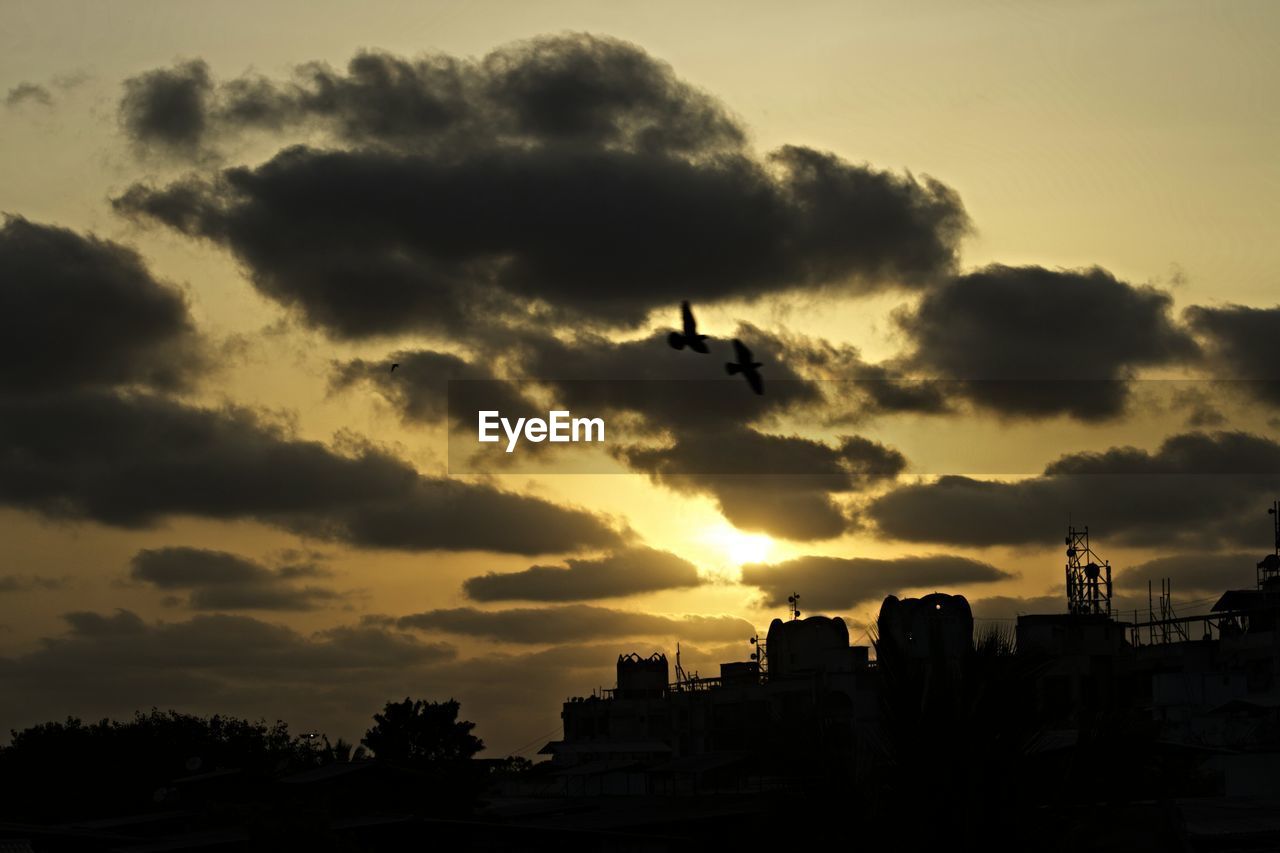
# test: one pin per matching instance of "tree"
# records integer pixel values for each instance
(422, 732)
(109, 766)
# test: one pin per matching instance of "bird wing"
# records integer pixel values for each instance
(755, 380)
(740, 350)
(686, 314)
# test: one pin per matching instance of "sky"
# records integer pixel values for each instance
(1006, 267)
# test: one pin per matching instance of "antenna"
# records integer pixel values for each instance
(760, 655)
(1274, 512)
(1088, 576)
(1269, 568)
(794, 600)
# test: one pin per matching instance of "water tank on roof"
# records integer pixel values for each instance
(815, 644)
(640, 678)
(935, 627)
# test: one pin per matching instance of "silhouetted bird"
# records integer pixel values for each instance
(744, 365)
(394, 366)
(690, 337)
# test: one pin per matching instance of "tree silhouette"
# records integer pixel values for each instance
(59, 770)
(422, 732)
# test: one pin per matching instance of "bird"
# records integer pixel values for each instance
(394, 366)
(689, 337)
(749, 369)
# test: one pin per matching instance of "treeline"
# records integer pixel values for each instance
(67, 770)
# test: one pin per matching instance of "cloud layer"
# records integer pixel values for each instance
(627, 572)
(523, 182)
(836, 583)
(218, 580)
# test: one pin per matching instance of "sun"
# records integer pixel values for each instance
(739, 547)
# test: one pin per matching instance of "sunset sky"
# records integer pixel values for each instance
(224, 222)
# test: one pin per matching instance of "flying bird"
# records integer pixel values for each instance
(749, 369)
(689, 337)
(394, 366)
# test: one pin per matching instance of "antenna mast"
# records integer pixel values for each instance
(1088, 576)
(1269, 568)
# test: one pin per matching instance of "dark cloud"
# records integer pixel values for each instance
(627, 572)
(28, 93)
(133, 460)
(603, 91)
(77, 311)
(671, 390)
(1241, 345)
(168, 108)
(573, 622)
(522, 183)
(26, 583)
(1199, 574)
(366, 242)
(679, 419)
(1009, 608)
(1201, 409)
(782, 485)
(834, 583)
(1033, 342)
(570, 89)
(420, 389)
(1196, 488)
(217, 580)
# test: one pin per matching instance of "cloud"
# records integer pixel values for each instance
(136, 459)
(1006, 607)
(77, 312)
(365, 242)
(782, 485)
(1033, 342)
(473, 193)
(834, 583)
(1240, 342)
(1197, 488)
(678, 418)
(28, 93)
(573, 622)
(671, 390)
(27, 583)
(218, 580)
(627, 572)
(1200, 574)
(569, 89)
(420, 389)
(167, 108)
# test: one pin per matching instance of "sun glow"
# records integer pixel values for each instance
(739, 547)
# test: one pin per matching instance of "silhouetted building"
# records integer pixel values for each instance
(815, 693)
(808, 697)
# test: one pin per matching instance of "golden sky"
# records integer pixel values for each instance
(1138, 138)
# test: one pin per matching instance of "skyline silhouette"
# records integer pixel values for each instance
(863, 316)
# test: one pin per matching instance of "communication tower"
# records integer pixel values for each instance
(1088, 576)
